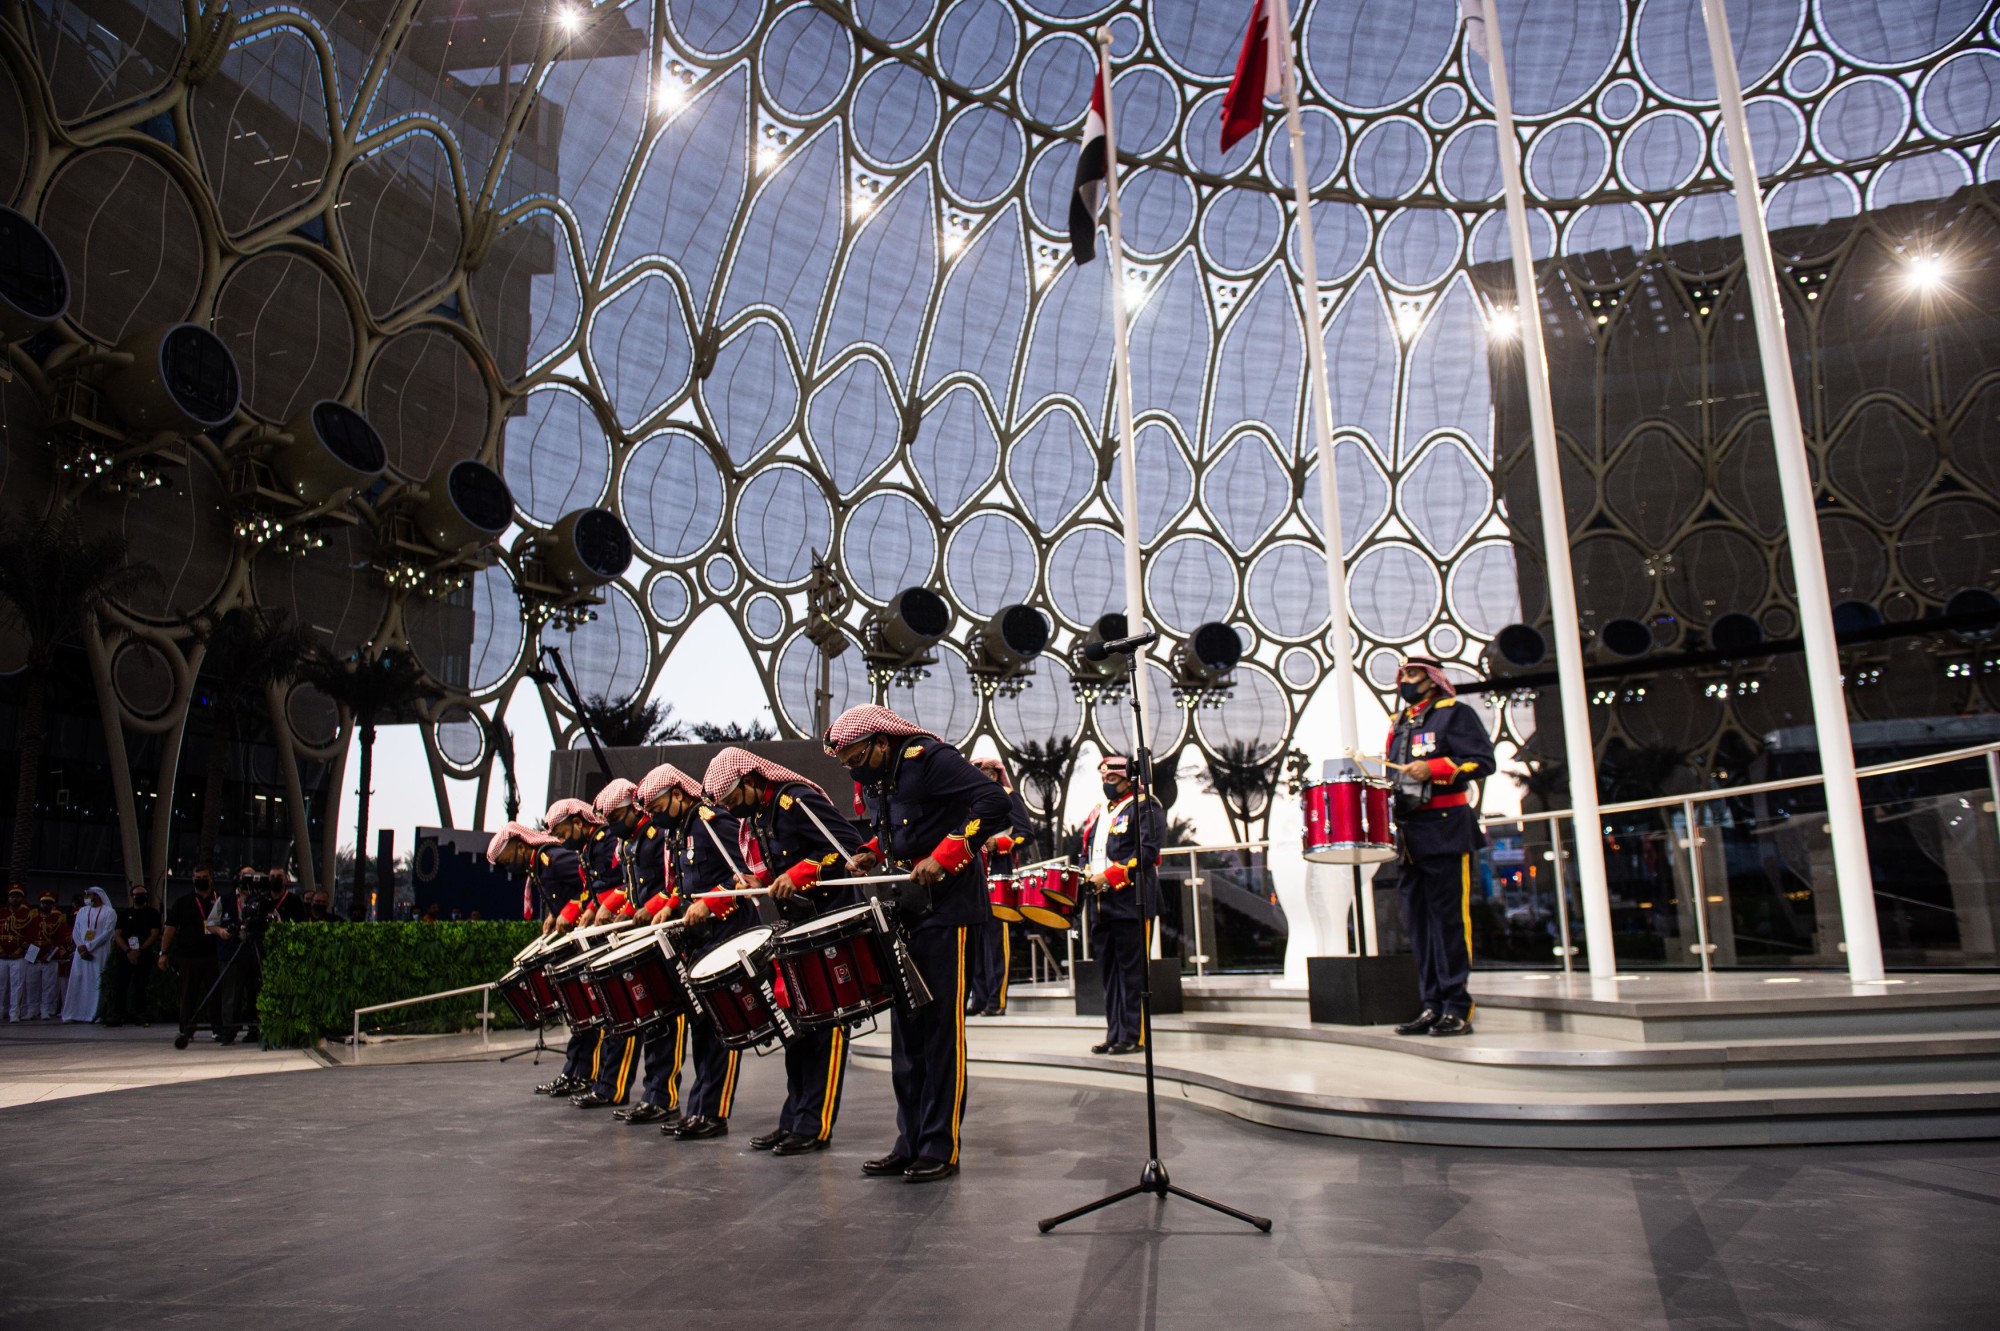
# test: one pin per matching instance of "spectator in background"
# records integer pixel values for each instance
(319, 908)
(357, 910)
(45, 969)
(94, 935)
(20, 929)
(431, 913)
(287, 904)
(475, 916)
(187, 946)
(131, 960)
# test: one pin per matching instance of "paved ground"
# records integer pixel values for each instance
(52, 1060)
(446, 1196)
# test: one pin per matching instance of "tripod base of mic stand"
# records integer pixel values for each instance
(1153, 1179)
(537, 1051)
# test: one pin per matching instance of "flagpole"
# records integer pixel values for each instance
(1565, 626)
(1853, 877)
(1128, 471)
(1345, 728)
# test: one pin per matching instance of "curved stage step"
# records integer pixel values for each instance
(1721, 1065)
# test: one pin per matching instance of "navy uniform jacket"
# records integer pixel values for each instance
(699, 867)
(929, 795)
(1139, 817)
(1023, 824)
(643, 861)
(599, 852)
(1449, 736)
(787, 836)
(558, 875)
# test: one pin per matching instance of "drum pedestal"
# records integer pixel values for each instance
(1163, 975)
(1362, 991)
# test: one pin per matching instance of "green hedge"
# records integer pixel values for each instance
(315, 975)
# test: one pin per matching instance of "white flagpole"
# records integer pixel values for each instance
(1346, 730)
(1564, 625)
(1852, 874)
(1128, 472)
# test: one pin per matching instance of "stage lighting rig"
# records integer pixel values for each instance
(558, 571)
(121, 417)
(289, 485)
(1002, 651)
(896, 641)
(438, 534)
(1100, 680)
(34, 285)
(1204, 666)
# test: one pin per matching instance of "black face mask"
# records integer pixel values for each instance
(1410, 693)
(1112, 792)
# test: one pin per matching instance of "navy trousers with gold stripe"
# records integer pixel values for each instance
(991, 955)
(580, 1058)
(1121, 947)
(713, 1089)
(666, 1047)
(617, 1056)
(815, 1067)
(1436, 895)
(927, 1050)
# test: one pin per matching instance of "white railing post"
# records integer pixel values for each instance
(1694, 884)
(1567, 948)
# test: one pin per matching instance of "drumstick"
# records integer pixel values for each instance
(1382, 763)
(830, 839)
(721, 849)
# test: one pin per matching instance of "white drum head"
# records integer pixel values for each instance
(825, 922)
(730, 952)
(626, 951)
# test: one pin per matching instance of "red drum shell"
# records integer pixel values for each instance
(1005, 896)
(1347, 821)
(641, 986)
(582, 1003)
(1060, 885)
(836, 969)
(733, 1000)
(520, 995)
(1039, 907)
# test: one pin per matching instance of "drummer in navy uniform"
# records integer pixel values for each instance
(1123, 899)
(793, 843)
(1436, 749)
(555, 877)
(932, 811)
(629, 880)
(991, 948)
(697, 837)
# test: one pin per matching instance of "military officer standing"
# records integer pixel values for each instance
(793, 843)
(1123, 898)
(1436, 749)
(992, 951)
(621, 879)
(561, 888)
(932, 810)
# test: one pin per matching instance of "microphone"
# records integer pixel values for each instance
(1097, 651)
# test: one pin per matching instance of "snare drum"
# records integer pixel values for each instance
(1005, 894)
(1048, 897)
(641, 983)
(838, 968)
(1347, 821)
(526, 987)
(582, 1003)
(732, 982)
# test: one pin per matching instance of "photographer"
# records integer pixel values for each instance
(187, 946)
(238, 923)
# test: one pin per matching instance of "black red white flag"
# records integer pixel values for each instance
(1091, 165)
(1256, 75)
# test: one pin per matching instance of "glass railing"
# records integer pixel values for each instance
(1734, 877)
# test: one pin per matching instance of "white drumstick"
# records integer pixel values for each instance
(721, 849)
(831, 840)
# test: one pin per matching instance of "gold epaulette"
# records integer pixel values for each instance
(914, 751)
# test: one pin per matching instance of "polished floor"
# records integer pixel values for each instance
(446, 1196)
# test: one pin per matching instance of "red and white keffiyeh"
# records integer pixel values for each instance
(728, 768)
(564, 809)
(522, 833)
(667, 777)
(618, 793)
(1432, 668)
(865, 722)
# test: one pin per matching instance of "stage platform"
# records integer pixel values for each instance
(1651, 1060)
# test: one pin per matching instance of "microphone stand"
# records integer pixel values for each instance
(1153, 1177)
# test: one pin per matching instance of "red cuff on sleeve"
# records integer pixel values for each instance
(1002, 844)
(1443, 769)
(612, 901)
(656, 903)
(1115, 875)
(629, 911)
(873, 845)
(952, 853)
(570, 912)
(804, 874)
(719, 905)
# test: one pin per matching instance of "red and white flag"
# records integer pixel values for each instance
(1256, 78)
(1091, 166)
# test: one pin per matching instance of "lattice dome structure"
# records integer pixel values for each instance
(771, 279)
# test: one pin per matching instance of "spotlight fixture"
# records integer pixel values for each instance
(181, 379)
(34, 285)
(896, 641)
(465, 503)
(1736, 634)
(1521, 646)
(1102, 680)
(1625, 638)
(587, 549)
(1003, 651)
(1204, 666)
(333, 449)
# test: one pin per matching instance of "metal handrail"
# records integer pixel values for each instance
(485, 992)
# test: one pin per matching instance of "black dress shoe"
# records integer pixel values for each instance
(767, 1140)
(696, 1128)
(556, 1087)
(1448, 1025)
(993, 1012)
(181, 1040)
(1421, 1026)
(646, 1112)
(797, 1143)
(590, 1100)
(884, 1166)
(1123, 1047)
(1104, 1048)
(923, 1169)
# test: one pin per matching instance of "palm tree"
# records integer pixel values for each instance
(53, 577)
(249, 650)
(1245, 784)
(631, 723)
(1042, 768)
(372, 689)
(735, 732)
